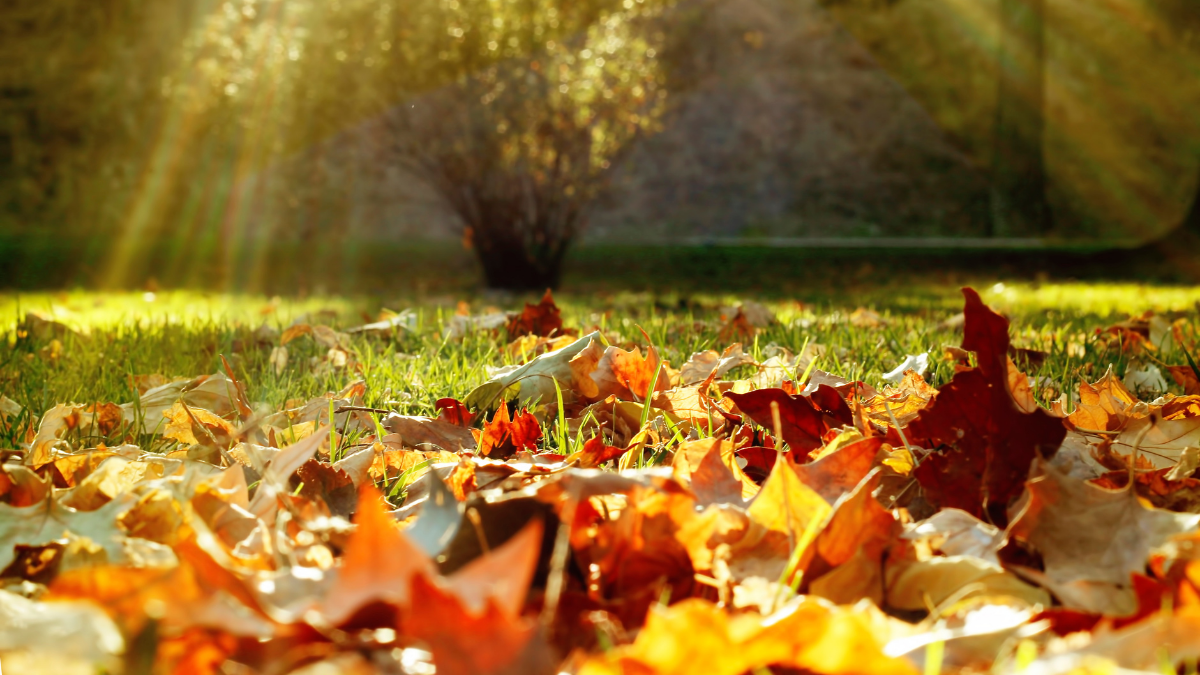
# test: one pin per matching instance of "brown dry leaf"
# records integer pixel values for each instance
(596, 452)
(691, 405)
(710, 363)
(866, 318)
(785, 518)
(426, 433)
(55, 423)
(326, 485)
(906, 400)
(695, 636)
(69, 471)
(144, 383)
(1160, 442)
(837, 473)
(293, 332)
(535, 381)
(197, 426)
(543, 319)
(848, 561)
(461, 480)
(919, 585)
(391, 463)
(738, 327)
(710, 469)
(648, 550)
(101, 418)
(1090, 536)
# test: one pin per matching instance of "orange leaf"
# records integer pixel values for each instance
(695, 636)
(502, 438)
(379, 565)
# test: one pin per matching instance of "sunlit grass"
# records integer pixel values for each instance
(185, 334)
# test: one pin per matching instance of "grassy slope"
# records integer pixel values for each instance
(183, 334)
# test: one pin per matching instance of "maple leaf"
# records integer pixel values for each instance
(638, 556)
(20, 486)
(1185, 376)
(535, 381)
(502, 438)
(543, 319)
(327, 485)
(984, 443)
(472, 620)
(197, 426)
(378, 566)
(803, 420)
(847, 564)
(710, 469)
(596, 452)
(48, 521)
(1091, 539)
(453, 411)
(837, 473)
(708, 363)
(628, 375)
(427, 433)
(696, 636)
(1103, 405)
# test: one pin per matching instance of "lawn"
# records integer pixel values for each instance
(183, 334)
(107, 417)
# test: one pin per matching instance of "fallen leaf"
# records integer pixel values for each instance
(984, 444)
(425, 433)
(628, 375)
(502, 438)
(49, 521)
(535, 381)
(380, 564)
(708, 363)
(695, 636)
(1090, 535)
(710, 469)
(543, 319)
(838, 473)
(801, 423)
(184, 423)
(847, 564)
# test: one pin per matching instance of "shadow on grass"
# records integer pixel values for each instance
(357, 267)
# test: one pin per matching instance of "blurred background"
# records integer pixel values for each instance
(342, 145)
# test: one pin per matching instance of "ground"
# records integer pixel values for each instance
(795, 499)
(184, 334)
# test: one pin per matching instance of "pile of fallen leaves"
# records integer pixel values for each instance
(786, 522)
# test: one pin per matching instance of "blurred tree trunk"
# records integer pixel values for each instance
(1018, 197)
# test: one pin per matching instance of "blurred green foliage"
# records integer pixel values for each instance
(150, 118)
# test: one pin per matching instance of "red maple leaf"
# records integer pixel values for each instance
(803, 420)
(984, 442)
(453, 411)
(543, 319)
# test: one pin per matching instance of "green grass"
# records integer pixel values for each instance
(185, 334)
